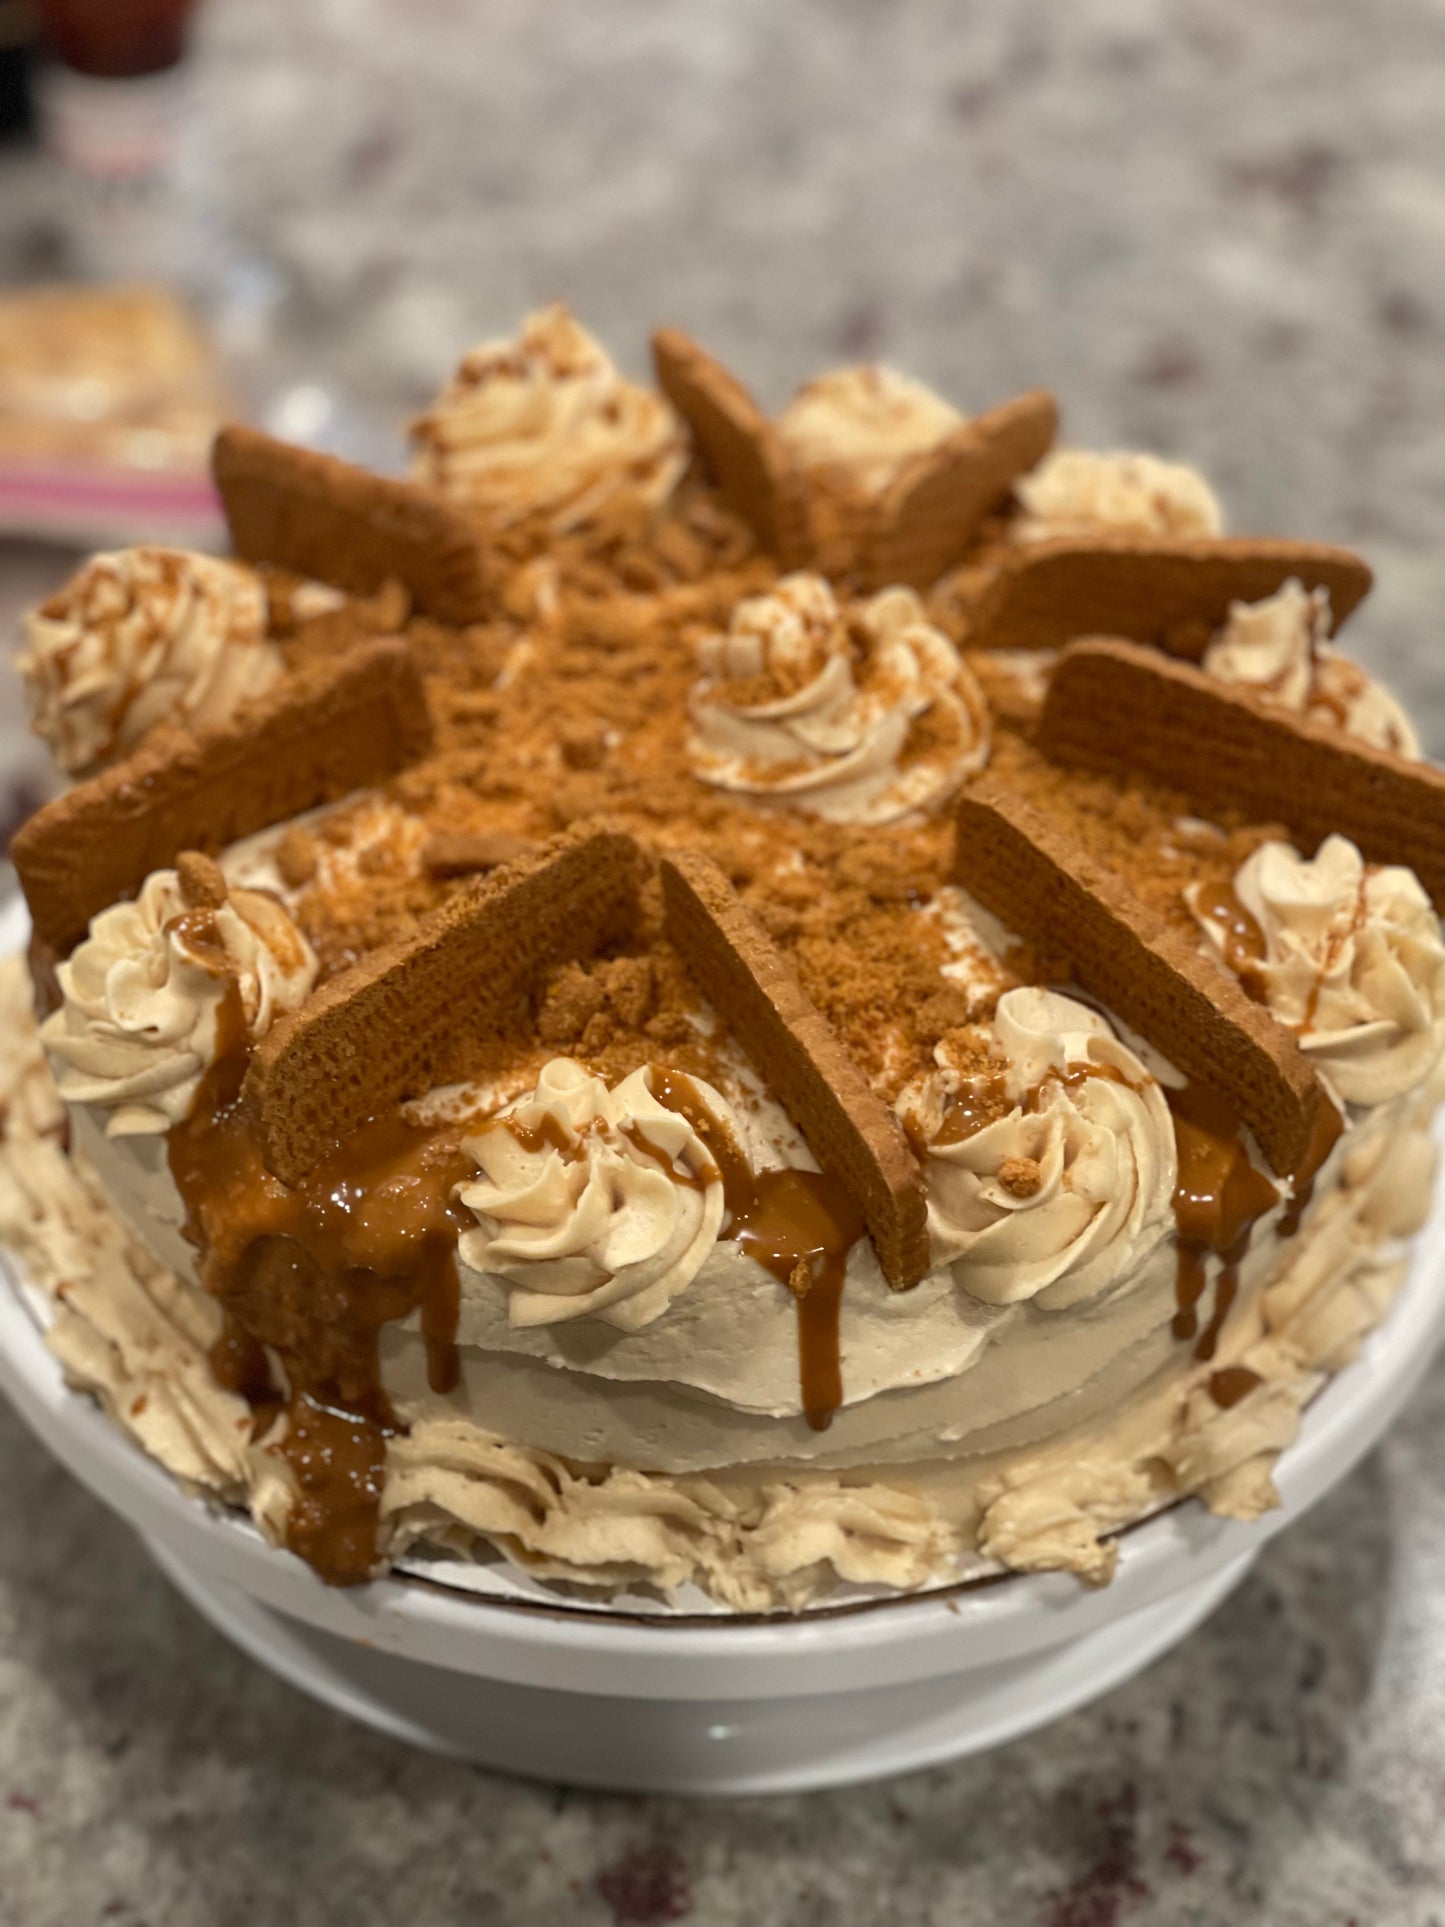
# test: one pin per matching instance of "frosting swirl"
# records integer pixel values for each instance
(1076, 491)
(1050, 1162)
(859, 717)
(139, 637)
(1280, 648)
(1352, 960)
(592, 1201)
(140, 1022)
(545, 426)
(860, 426)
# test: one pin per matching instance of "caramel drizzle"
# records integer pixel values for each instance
(984, 1100)
(1231, 1384)
(308, 1276)
(1243, 941)
(799, 1225)
(1218, 1198)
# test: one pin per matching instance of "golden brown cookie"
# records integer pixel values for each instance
(741, 446)
(338, 725)
(850, 1130)
(1039, 880)
(1175, 594)
(405, 1020)
(322, 517)
(449, 854)
(1119, 706)
(931, 511)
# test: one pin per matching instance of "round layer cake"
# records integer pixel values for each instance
(688, 997)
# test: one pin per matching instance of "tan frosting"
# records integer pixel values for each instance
(1280, 648)
(1069, 1191)
(140, 637)
(860, 720)
(1353, 961)
(1075, 490)
(862, 425)
(544, 425)
(138, 1026)
(592, 1201)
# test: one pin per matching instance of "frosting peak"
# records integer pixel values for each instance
(1280, 648)
(592, 1201)
(1352, 960)
(1076, 491)
(1050, 1163)
(140, 1023)
(860, 717)
(862, 425)
(544, 425)
(140, 637)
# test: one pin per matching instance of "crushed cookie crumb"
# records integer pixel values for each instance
(1020, 1176)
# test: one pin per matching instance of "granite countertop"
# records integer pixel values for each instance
(1217, 229)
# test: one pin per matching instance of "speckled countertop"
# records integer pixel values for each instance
(1217, 228)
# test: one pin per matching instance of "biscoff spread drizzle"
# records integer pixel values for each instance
(799, 1225)
(307, 1277)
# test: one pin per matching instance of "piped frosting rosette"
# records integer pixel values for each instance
(1280, 649)
(861, 717)
(141, 637)
(590, 1201)
(1078, 491)
(139, 1024)
(858, 427)
(544, 425)
(1349, 956)
(1050, 1162)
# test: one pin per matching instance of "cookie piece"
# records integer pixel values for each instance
(742, 448)
(403, 1021)
(456, 855)
(1116, 706)
(325, 518)
(1174, 594)
(338, 725)
(850, 1130)
(930, 512)
(1038, 879)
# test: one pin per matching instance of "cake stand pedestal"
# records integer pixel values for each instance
(720, 1746)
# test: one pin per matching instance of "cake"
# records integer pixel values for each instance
(692, 999)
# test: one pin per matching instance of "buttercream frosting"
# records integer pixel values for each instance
(590, 1201)
(1280, 648)
(139, 1024)
(860, 718)
(1352, 960)
(1065, 1186)
(1076, 491)
(141, 637)
(862, 425)
(544, 425)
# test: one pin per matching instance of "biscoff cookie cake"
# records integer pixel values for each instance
(696, 997)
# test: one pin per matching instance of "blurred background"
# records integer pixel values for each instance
(1216, 228)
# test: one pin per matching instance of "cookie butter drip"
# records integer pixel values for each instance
(338, 1461)
(799, 1225)
(1240, 937)
(1234, 1382)
(1217, 1200)
(309, 1275)
(984, 1099)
